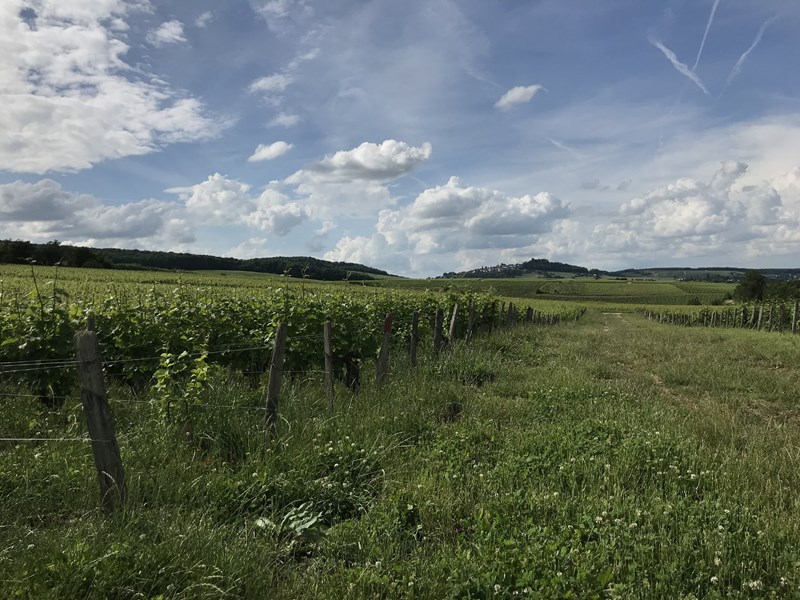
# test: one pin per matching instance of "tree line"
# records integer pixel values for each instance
(54, 252)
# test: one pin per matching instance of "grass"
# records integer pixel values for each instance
(609, 458)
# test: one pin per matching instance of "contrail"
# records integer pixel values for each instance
(679, 66)
(705, 35)
(737, 68)
(564, 147)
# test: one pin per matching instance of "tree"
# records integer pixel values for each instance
(751, 287)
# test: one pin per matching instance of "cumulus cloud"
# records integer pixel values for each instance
(354, 182)
(371, 162)
(220, 199)
(44, 211)
(517, 95)
(70, 100)
(691, 218)
(454, 218)
(269, 151)
(170, 32)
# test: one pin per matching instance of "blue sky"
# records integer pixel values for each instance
(419, 136)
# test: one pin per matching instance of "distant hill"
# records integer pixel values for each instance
(540, 267)
(20, 251)
(728, 274)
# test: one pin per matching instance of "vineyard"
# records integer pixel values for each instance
(549, 456)
(601, 291)
(170, 322)
(769, 316)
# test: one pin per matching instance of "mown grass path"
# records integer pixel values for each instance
(609, 458)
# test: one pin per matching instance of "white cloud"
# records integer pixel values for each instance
(220, 199)
(690, 218)
(43, 211)
(170, 32)
(353, 182)
(277, 82)
(40, 201)
(284, 119)
(278, 14)
(447, 220)
(517, 95)
(255, 247)
(270, 151)
(67, 98)
(274, 213)
(376, 162)
(204, 19)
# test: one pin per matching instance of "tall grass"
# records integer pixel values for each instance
(610, 458)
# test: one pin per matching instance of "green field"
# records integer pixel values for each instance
(581, 289)
(609, 457)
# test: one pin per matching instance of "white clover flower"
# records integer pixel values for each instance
(715, 580)
(598, 519)
(756, 585)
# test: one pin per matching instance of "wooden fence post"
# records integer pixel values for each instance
(437, 331)
(760, 316)
(414, 342)
(113, 491)
(451, 333)
(382, 369)
(529, 315)
(470, 320)
(794, 318)
(781, 312)
(275, 378)
(327, 344)
(769, 319)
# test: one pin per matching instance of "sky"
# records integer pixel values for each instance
(419, 137)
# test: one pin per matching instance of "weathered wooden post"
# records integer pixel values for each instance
(382, 368)
(794, 318)
(769, 319)
(529, 315)
(781, 312)
(275, 379)
(438, 342)
(451, 333)
(327, 345)
(470, 320)
(414, 342)
(760, 316)
(107, 460)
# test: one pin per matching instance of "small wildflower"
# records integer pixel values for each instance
(497, 588)
(715, 580)
(756, 585)
(598, 519)
(633, 525)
